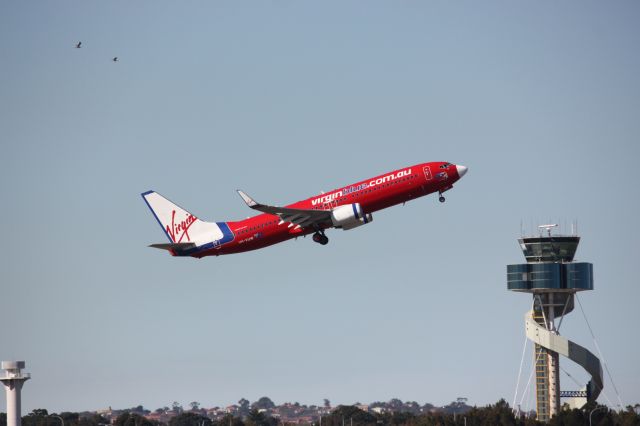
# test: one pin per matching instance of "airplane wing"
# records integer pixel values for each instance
(299, 217)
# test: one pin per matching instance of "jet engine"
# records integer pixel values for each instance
(349, 216)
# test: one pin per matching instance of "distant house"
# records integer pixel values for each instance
(216, 412)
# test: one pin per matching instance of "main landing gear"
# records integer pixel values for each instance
(441, 199)
(320, 238)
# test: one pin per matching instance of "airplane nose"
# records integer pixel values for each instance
(461, 170)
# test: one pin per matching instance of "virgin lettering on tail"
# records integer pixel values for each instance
(346, 208)
(180, 229)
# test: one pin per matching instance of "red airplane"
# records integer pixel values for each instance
(347, 208)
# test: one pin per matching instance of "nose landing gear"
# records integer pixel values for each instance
(441, 199)
(320, 238)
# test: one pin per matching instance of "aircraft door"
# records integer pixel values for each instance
(427, 173)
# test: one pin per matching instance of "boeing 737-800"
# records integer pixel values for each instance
(347, 208)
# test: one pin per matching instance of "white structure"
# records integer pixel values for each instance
(13, 379)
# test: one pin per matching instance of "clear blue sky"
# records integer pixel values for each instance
(541, 101)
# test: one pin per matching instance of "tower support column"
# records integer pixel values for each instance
(553, 361)
(554, 383)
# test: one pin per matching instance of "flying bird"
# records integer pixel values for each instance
(115, 59)
(79, 45)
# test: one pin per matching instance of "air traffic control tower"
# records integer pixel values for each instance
(553, 278)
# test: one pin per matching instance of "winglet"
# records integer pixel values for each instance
(250, 201)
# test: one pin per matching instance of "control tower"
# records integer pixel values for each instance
(13, 379)
(553, 278)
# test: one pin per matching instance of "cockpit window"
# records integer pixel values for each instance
(445, 165)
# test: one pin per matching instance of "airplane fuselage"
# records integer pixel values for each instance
(372, 194)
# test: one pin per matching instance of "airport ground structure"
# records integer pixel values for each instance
(13, 379)
(553, 279)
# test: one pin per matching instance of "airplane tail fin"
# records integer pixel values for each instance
(179, 225)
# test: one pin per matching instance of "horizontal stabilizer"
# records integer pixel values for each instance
(173, 246)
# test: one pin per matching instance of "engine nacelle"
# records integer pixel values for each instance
(349, 216)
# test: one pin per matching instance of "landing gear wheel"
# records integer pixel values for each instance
(320, 238)
(441, 199)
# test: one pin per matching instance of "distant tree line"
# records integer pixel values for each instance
(41, 417)
(348, 415)
(499, 414)
(491, 415)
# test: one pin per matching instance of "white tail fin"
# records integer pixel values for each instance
(180, 225)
